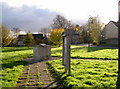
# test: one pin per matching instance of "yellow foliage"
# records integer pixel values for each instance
(76, 28)
(5, 35)
(56, 36)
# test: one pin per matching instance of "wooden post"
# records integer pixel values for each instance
(66, 51)
(63, 47)
(69, 52)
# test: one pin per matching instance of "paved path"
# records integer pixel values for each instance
(36, 74)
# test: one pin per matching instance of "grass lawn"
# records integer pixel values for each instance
(86, 73)
(85, 52)
(12, 64)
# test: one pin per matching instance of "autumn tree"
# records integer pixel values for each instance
(76, 27)
(56, 36)
(28, 39)
(96, 27)
(60, 22)
(6, 36)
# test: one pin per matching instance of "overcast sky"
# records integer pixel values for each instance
(35, 14)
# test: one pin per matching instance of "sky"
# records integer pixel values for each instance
(32, 15)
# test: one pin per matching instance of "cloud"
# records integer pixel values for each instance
(28, 18)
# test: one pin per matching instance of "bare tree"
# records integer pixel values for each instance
(16, 32)
(45, 31)
(60, 22)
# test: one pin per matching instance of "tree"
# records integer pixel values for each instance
(77, 28)
(0, 36)
(84, 33)
(38, 41)
(28, 40)
(6, 36)
(16, 32)
(45, 31)
(96, 27)
(14, 42)
(56, 36)
(60, 22)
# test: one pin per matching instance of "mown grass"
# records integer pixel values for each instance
(13, 64)
(85, 52)
(86, 73)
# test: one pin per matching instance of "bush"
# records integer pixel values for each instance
(28, 40)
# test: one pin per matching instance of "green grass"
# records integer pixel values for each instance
(10, 76)
(85, 52)
(13, 64)
(87, 73)
(12, 59)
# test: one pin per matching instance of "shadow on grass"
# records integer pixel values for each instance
(90, 49)
(59, 79)
(50, 85)
(16, 57)
(118, 81)
(13, 63)
(15, 49)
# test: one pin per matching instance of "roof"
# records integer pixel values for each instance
(36, 36)
(115, 23)
(40, 35)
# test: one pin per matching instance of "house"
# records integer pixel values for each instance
(75, 38)
(20, 40)
(16, 31)
(36, 36)
(110, 33)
